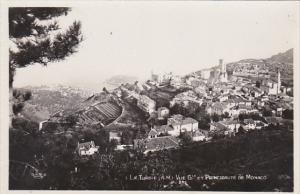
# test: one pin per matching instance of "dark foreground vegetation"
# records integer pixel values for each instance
(267, 153)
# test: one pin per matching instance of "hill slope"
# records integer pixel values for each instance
(46, 101)
(281, 61)
(286, 57)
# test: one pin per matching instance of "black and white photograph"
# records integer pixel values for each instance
(150, 96)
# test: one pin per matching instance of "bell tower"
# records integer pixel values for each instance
(223, 75)
(278, 82)
(223, 66)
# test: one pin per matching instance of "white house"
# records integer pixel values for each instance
(87, 148)
(220, 128)
(181, 124)
(249, 124)
(159, 130)
(198, 136)
(205, 73)
(146, 104)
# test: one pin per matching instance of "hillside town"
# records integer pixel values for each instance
(227, 104)
(166, 114)
(235, 104)
(136, 96)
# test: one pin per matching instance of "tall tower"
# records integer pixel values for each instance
(223, 66)
(278, 82)
(223, 74)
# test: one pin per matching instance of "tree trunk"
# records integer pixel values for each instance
(12, 72)
(11, 114)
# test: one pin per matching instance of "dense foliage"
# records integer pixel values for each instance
(260, 153)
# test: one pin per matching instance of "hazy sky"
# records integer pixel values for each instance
(132, 38)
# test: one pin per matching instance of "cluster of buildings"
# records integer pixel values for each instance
(223, 96)
(186, 98)
(161, 79)
(251, 68)
(228, 97)
(167, 136)
(142, 101)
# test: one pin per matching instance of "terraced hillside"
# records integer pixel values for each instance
(102, 112)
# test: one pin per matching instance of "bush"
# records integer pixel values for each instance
(26, 125)
(185, 138)
(27, 95)
(18, 107)
(288, 114)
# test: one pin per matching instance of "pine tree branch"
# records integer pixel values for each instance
(46, 50)
(23, 21)
(34, 40)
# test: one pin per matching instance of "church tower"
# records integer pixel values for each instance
(278, 82)
(223, 66)
(223, 75)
